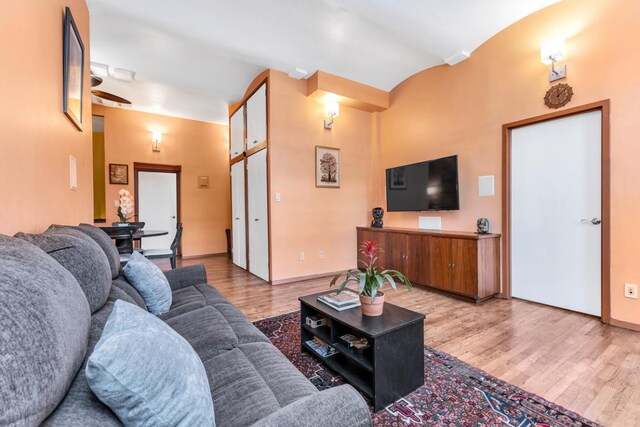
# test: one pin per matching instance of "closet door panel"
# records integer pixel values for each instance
(236, 125)
(257, 117)
(258, 214)
(239, 241)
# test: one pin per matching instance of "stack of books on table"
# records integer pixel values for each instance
(341, 301)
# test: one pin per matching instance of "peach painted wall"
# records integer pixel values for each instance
(200, 148)
(310, 219)
(460, 110)
(36, 138)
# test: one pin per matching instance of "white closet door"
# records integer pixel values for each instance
(238, 214)
(237, 133)
(257, 117)
(258, 221)
(555, 212)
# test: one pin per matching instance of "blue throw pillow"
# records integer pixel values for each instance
(147, 373)
(150, 282)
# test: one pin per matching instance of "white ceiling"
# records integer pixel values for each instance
(194, 57)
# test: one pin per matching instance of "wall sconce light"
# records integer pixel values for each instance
(156, 139)
(551, 51)
(332, 110)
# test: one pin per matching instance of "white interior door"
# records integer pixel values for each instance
(239, 241)
(555, 212)
(257, 117)
(158, 207)
(257, 212)
(236, 124)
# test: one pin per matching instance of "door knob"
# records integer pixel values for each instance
(237, 218)
(256, 219)
(594, 221)
(173, 217)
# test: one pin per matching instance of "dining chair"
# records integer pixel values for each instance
(166, 253)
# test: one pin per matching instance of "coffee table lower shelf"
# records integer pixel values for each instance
(339, 363)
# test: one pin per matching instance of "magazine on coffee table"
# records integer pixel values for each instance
(342, 301)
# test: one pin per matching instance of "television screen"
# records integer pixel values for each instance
(425, 186)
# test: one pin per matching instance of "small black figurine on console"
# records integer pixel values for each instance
(483, 226)
(377, 213)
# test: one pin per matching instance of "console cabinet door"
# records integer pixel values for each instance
(441, 274)
(396, 249)
(464, 258)
(257, 117)
(380, 239)
(417, 259)
(236, 125)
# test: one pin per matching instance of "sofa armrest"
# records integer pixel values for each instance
(186, 276)
(335, 407)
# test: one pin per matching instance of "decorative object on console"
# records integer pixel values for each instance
(72, 71)
(483, 226)
(558, 96)
(118, 174)
(377, 214)
(124, 205)
(370, 280)
(327, 167)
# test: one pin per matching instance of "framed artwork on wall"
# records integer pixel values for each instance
(72, 71)
(118, 174)
(327, 167)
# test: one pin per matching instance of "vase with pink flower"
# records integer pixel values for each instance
(370, 280)
(125, 207)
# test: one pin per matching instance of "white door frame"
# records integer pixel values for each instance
(152, 167)
(604, 108)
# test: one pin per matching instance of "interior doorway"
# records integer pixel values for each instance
(157, 201)
(556, 213)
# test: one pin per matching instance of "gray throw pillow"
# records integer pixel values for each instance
(147, 373)
(150, 282)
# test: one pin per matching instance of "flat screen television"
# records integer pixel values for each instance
(425, 186)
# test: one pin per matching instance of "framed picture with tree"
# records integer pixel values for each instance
(327, 167)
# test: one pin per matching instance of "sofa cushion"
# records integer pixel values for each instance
(121, 283)
(147, 373)
(44, 329)
(206, 330)
(82, 258)
(256, 373)
(106, 244)
(150, 283)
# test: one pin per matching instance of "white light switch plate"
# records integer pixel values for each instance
(430, 222)
(73, 173)
(486, 186)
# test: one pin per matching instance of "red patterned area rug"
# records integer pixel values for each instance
(454, 393)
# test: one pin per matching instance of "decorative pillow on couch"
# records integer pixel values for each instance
(150, 282)
(147, 373)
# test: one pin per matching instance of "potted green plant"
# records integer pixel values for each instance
(370, 280)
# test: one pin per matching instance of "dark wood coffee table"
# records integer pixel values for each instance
(393, 365)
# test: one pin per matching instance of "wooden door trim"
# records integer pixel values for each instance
(154, 167)
(604, 108)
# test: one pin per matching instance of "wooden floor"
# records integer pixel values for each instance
(568, 358)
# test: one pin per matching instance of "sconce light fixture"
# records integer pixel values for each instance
(156, 139)
(332, 110)
(552, 51)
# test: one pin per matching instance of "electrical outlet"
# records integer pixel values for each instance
(321, 254)
(277, 197)
(301, 256)
(631, 290)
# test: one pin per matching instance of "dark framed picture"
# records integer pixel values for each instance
(72, 71)
(327, 167)
(118, 174)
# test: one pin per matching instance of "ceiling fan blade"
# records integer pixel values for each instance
(96, 81)
(110, 97)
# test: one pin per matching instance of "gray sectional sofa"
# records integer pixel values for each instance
(57, 290)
